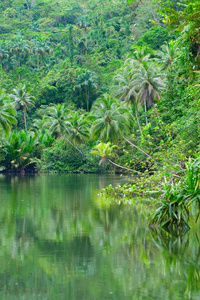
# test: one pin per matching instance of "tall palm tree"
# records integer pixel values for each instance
(70, 27)
(84, 22)
(148, 83)
(86, 80)
(3, 52)
(125, 90)
(7, 113)
(77, 126)
(23, 100)
(111, 119)
(57, 122)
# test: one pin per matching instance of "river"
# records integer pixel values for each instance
(58, 240)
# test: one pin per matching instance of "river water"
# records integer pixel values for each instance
(58, 240)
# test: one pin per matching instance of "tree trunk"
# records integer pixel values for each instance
(87, 102)
(74, 146)
(38, 66)
(24, 109)
(85, 29)
(135, 107)
(120, 166)
(137, 147)
(145, 109)
(1, 71)
(19, 77)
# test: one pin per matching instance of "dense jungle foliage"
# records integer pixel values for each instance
(101, 85)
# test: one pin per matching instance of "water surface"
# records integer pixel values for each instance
(58, 241)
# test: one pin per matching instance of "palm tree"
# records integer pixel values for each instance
(105, 151)
(125, 90)
(7, 113)
(57, 122)
(70, 27)
(111, 119)
(86, 80)
(3, 52)
(84, 22)
(148, 83)
(41, 46)
(139, 56)
(23, 100)
(77, 126)
(167, 55)
(18, 46)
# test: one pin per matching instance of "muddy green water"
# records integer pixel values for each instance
(57, 241)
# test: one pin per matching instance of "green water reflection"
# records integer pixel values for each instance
(58, 242)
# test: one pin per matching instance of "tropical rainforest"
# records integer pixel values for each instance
(104, 85)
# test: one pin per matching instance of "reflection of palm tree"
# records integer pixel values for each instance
(22, 99)
(111, 119)
(7, 113)
(86, 80)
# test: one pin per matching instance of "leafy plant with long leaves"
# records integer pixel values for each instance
(7, 113)
(22, 151)
(177, 198)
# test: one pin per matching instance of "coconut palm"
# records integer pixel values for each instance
(86, 80)
(77, 126)
(57, 122)
(7, 113)
(139, 56)
(125, 90)
(111, 119)
(148, 83)
(167, 55)
(23, 100)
